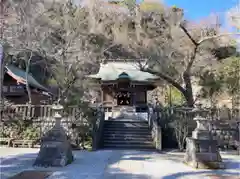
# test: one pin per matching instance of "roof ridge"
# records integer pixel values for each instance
(122, 60)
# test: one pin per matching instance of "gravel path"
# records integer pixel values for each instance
(107, 164)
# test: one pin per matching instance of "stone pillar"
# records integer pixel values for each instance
(238, 142)
(158, 143)
(55, 148)
(201, 149)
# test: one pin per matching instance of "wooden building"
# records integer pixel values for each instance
(14, 87)
(123, 84)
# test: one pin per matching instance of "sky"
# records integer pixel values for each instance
(198, 9)
(195, 10)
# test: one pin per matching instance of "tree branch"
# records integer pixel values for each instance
(193, 56)
(165, 77)
(201, 41)
(216, 36)
(188, 34)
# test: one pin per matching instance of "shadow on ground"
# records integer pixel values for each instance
(232, 164)
(119, 167)
(221, 174)
(94, 165)
(106, 164)
(12, 165)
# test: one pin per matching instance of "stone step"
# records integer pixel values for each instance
(125, 134)
(126, 139)
(128, 146)
(134, 136)
(121, 121)
(126, 129)
(140, 132)
(139, 142)
(126, 125)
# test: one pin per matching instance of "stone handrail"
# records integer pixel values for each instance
(98, 129)
(155, 129)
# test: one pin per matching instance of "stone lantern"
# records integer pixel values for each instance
(55, 148)
(201, 149)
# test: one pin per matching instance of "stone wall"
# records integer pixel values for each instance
(224, 128)
(226, 133)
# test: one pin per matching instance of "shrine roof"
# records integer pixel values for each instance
(117, 70)
(20, 76)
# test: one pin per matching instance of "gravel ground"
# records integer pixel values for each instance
(117, 164)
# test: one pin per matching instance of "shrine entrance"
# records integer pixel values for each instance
(123, 98)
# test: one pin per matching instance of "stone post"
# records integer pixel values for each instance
(1, 86)
(238, 142)
(55, 148)
(202, 129)
(201, 149)
(158, 143)
(57, 116)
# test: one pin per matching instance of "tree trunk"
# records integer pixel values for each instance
(27, 84)
(188, 94)
(187, 91)
(28, 88)
(189, 98)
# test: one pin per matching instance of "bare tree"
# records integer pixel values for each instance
(21, 31)
(57, 32)
(175, 49)
(181, 128)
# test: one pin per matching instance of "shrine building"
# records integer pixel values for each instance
(123, 86)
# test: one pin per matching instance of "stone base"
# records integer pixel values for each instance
(205, 135)
(55, 150)
(203, 154)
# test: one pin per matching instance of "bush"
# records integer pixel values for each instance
(31, 133)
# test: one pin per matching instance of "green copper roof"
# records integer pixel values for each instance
(18, 73)
(123, 76)
(119, 70)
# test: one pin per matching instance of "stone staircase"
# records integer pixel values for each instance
(127, 134)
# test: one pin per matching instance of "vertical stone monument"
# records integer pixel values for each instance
(201, 149)
(55, 148)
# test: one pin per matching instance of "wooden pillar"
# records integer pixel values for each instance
(134, 98)
(145, 92)
(133, 94)
(102, 97)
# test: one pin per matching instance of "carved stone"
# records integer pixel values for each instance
(202, 129)
(201, 153)
(201, 149)
(55, 148)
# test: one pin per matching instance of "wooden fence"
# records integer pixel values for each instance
(41, 117)
(41, 111)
